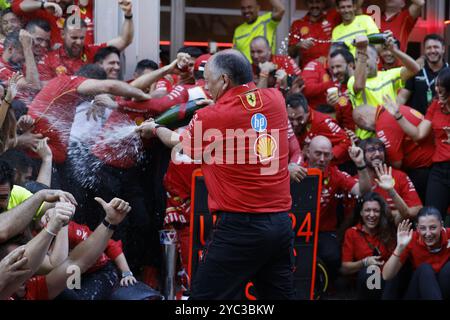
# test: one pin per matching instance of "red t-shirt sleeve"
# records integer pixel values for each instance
(314, 84)
(347, 246)
(408, 193)
(338, 137)
(46, 68)
(345, 181)
(37, 289)
(114, 249)
(394, 137)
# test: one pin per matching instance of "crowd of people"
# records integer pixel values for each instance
(80, 150)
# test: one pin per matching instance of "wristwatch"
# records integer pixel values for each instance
(127, 274)
(110, 226)
(43, 2)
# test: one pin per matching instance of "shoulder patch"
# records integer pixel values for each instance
(252, 100)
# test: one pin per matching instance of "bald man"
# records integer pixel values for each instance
(335, 184)
(403, 153)
(255, 25)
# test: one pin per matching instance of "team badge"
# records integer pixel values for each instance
(265, 148)
(139, 121)
(61, 70)
(84, 57)
(83, 10)
(60, 22)
(259, 122)
(251, 100)
(304, 31)
(342, 101)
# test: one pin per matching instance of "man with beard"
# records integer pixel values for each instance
(341, 66)
(75, 53)
(308, 123)
(56, 13)
(394, 185)
(420, 90)
(308, 37)
(255, 25)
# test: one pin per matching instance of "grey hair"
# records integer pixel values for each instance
(232, 63)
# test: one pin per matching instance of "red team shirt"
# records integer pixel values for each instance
(53, 110)
(399, 146)
(439, 121)
(335, 184)
(287, 64)
(244, 187)
(401, 26)
(57, 62)
(344, 108)
(36, 289)
(356, 245)
(405, 189)
(417, 252)
(317, 82)
(323, 125)
(321, 30)
(57, 24)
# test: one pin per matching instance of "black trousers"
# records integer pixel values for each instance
(329, 251)
(438, 192)
(427, 285)
(247, 247)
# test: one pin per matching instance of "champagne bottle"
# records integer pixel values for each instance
(376, 38)
(179, 115)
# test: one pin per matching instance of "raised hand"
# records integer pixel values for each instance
(43, 150)
(391, 106)
(357, 155)
(53, 8)
(385, 179)
(60, 216)
(12, 87)
(57, 196)
(404, 234)
(116, 210)
(126, 6)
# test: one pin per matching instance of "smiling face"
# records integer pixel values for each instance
(74, 41)
(315, 7)
(429, 228)
(374, 155)
(434, 51)
(347, 11)
(10, 23)
(339, 68)
(111, 65)
(250, 10)
(370, 215)
(41, 41)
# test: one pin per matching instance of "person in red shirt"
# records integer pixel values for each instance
(57, 13)
(10, 23)
(368, 241)
(269, 70)
(309, 37)
(415, 158)
(237, 182)
(335, 184)
(428, 250)
(400, 20)
(74, 52)
(437, 121)
(394, 185)
(308, 123)
(341, 64)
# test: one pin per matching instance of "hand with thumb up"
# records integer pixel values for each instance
(116, 210)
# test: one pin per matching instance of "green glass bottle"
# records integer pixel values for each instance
(179, 115)
(377, 38)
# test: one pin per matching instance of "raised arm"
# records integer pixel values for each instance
(87, 252)
(364, 185)
(17, 219)
(278, 10)
(410, 66)
(415, 9)
(361, 44)
(30, 6)
(404, 236)
(32, 74)
(416, 133)
(127, 34)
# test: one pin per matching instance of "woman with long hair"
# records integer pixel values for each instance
(428, 250)
(369, 241)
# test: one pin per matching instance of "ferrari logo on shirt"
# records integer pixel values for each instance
(84, 57)
(61, 70)
(252, 100)
(304, 31)
(83, 10)
(265, 147)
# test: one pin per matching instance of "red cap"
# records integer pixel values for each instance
(201, 62)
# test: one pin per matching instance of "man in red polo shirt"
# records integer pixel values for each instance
(400, 20)
(308, 123)
(75, 53)
(271, 70)
(403, 152)
(310, 36)
(247, 162)
(394, 185)
(57, 13)
(335, 184)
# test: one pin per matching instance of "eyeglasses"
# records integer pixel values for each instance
(375, 149)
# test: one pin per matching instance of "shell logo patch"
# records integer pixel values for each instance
(417, 114)
(61, 70)
(326, 78)
(60, 23)
(342, 101)
(265, 148)
(252, 100)
(304, 30)
(139, 120)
